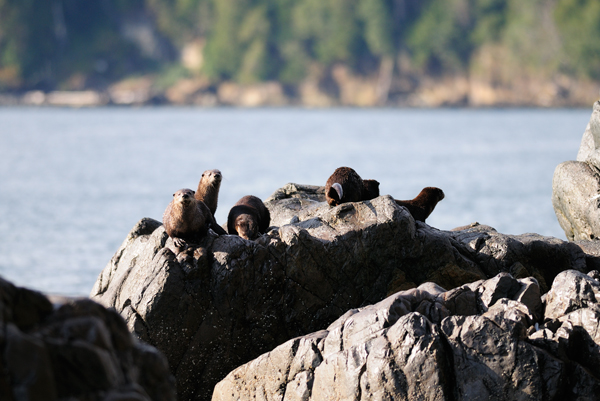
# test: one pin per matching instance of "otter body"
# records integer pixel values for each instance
(422, 206)
(187, 219)
(345, 185)
(248, 218)
(208, 189)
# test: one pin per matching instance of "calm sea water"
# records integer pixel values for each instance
(74, 182)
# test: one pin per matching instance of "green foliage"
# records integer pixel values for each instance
(579, 25)
(43, 43)
(489, 20)
(530, 37)
(24, 48)
(223, 58)
(328, 29)
(378, 26)
(439, 40)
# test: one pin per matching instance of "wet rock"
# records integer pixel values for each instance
(240, 299)
(74, 349)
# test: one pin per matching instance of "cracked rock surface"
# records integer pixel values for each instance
(480, 341)
(215, 307)
(74, 349)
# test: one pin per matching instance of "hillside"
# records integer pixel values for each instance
(310, 52)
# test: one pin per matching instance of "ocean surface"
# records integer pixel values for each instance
(74, 182)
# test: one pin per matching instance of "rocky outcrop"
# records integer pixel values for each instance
(488, 340)
(73, 350)
(221, 304)
(576, 186)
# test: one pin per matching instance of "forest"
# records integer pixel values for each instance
(397, 44)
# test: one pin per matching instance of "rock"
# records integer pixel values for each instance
(218, 307)
(74, 349)
(576, 186)
(391, 350)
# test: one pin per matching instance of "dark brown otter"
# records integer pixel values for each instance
(187, 220)
(208, 189)
(345, 185)
(422, 206)
(248, 218)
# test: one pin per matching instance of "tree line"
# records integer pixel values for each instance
(46, 43)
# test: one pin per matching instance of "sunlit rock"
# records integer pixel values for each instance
(576, 186)
(227, 300)
(492, 348)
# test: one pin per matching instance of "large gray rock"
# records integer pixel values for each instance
(416, 345)
(215, 307)
(576, 186)
(73, 350)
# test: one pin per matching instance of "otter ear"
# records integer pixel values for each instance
(193, 192)
(173, 194)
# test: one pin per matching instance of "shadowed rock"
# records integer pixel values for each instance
(74, 349)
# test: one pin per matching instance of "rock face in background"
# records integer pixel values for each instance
(231, 300)
(576, 186)
(73, 350)
(481, 341)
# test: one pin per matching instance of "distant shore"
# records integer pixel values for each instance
(348, 91)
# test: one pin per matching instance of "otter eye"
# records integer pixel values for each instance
(173, 194)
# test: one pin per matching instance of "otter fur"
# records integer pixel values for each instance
(345, 185)
(422, 206)
(187, 219)
(208, 189)
(248, 218)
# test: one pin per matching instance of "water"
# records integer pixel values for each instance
(74, 182)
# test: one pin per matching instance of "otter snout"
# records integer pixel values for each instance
(184, 196)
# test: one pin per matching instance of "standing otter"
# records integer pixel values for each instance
(422, 206)
(187, 219)
(208, 189)
(345, 185)
(248, 218)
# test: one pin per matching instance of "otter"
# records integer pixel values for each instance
(345, 185)
(422, 206)
(187, 219)
(208, 189)
(248, 218)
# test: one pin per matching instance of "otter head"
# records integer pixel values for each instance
(335, 194)
(370, 189)
(212, 177)
(184, 197)
(433, 194)
(246, 226)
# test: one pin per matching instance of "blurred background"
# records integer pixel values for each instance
(107, 107)
(303, 52)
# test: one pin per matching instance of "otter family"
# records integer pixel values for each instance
(190, 214)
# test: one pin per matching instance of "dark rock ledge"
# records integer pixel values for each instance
(231, 300)
(73, 350)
